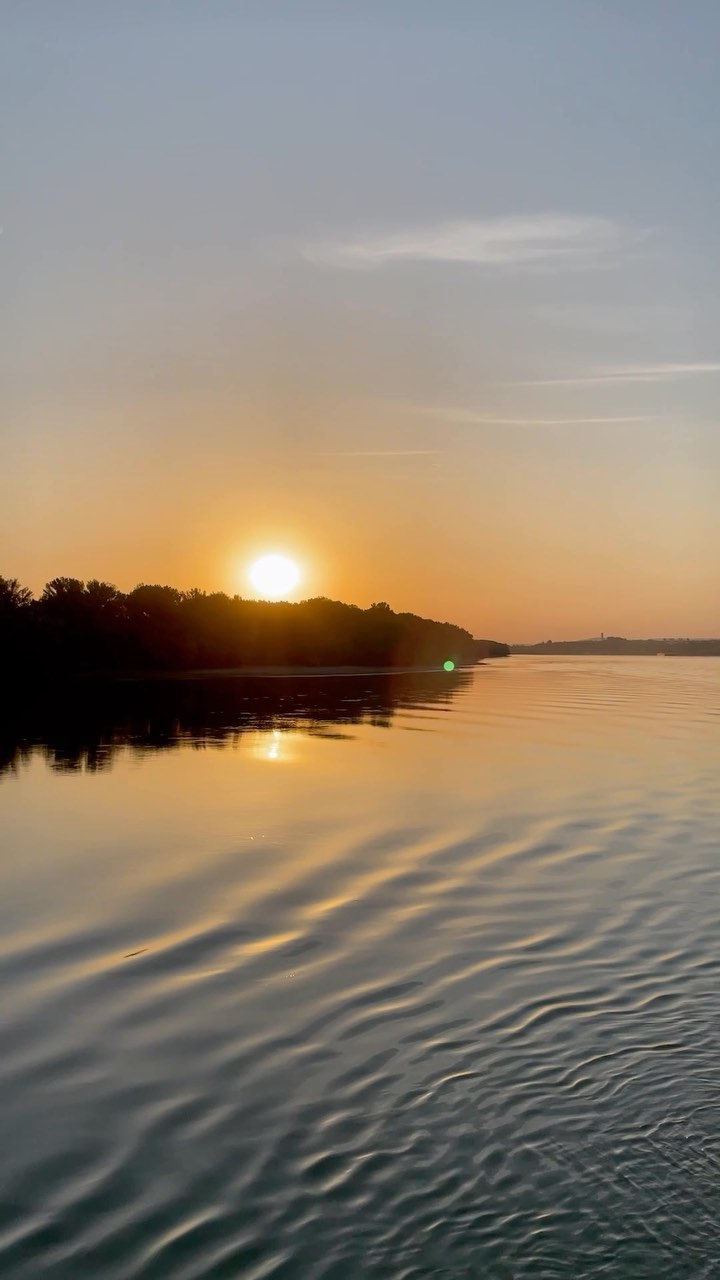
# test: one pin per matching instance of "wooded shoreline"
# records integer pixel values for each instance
(84, 627)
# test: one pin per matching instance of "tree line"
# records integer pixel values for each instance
(619, 645)
(93, 627)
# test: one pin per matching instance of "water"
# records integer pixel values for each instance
(365, 978)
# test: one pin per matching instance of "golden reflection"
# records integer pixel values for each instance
(273, 744)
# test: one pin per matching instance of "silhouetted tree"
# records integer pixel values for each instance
(91, 626)
(15, 622)
(13, 596)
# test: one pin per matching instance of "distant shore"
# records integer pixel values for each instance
(618, 646)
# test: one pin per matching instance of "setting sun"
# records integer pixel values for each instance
(274, 576)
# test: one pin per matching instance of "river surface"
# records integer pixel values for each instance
(365, 978)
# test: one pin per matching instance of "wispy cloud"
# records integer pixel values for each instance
(380, 453)
(468, 417)
(544, 240)
(482, 418)
(626, 373)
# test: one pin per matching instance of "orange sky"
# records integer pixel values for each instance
(379, 294)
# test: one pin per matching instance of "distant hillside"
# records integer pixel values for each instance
(490, 649)
(619, 645)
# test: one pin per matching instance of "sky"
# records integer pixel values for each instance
(424, 295)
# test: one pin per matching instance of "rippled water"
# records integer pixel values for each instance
(365, 978)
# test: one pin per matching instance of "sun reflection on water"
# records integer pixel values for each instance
(274, 744)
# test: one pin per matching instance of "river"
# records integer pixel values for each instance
(362, 977)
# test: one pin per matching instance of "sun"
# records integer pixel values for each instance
(274, 576)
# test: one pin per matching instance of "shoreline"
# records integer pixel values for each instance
(55, 679)
(276, 673)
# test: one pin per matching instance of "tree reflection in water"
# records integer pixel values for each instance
(82, 724)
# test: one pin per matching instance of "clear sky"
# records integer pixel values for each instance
(424, 293)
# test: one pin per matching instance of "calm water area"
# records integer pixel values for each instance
(364, 977)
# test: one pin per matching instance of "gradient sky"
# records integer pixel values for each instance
(423, 293)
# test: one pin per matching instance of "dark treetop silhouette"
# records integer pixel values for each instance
(90, 626)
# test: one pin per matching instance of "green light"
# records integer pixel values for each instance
(448, 664)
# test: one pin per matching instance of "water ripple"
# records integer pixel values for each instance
(422, 1005)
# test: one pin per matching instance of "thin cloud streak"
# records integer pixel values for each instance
(469, 418)
(629, 373)
(545, 240)
(380, 453)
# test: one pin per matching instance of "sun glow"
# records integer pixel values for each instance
(274, 576)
